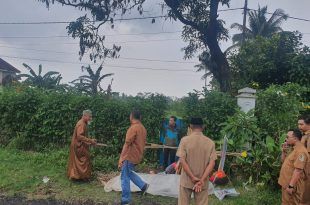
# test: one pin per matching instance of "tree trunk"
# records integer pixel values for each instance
(222, 71)
(222, 74)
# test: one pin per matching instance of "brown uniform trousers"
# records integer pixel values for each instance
(297, 159)
(201, 198)
(198, 150)
(306, 195)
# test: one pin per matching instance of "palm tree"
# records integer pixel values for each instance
(259, 25)
(90, 83)
(49, 80)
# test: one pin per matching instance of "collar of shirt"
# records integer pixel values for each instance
(307, 132)
(196, 133)
(297, 144)
(172, 128)
(135, 122)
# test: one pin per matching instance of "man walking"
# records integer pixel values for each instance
(197, 157)
(79, 165)
(131, 155)
(292, 174)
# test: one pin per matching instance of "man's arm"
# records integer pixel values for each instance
(296, 176)
(283, 156)
(188, 171)
(208, 170)
(130, 137)
(284, 148)
(82, 138)
(299, 165)
(181, 153)
(198, 186)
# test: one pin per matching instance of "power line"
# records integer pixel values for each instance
(120, 34)
(126, 58)
(291, 17)
(130, 19)
(114, 42)
(67, 22)
(120, 19)
(233, 9)
(108, 65)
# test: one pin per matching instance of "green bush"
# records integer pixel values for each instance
(39, 120)
(16, 106)
(215, 108)
(262, 163)
(262, 132)
(241, 130)
(278, 108)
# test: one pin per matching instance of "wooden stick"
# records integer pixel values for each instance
(102, 145)
(158, 146)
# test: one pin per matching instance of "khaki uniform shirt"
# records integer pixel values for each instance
(197, 150)
(306, 140)
(135, 141)
(297, 159)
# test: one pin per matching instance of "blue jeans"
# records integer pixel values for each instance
(127, 175)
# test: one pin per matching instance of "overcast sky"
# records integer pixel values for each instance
(61, 54)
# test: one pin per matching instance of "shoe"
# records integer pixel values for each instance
(144, 189)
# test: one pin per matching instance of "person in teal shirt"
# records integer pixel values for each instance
(171, 138)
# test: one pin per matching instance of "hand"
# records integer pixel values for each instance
(120, 164)
(195, 179)
(94, 142)
(289, 190)
(284, 147)
(201, 182)
(198, 187)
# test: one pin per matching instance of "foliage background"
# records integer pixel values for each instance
(39, 120)
(43, 120)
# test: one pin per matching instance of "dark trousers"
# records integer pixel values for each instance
(169, 154)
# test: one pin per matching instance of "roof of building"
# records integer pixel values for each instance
(8, 67)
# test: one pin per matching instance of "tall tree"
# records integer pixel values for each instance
(49, 80)
(90, 83)
(202, 28)
(277, 60)
(259, 25)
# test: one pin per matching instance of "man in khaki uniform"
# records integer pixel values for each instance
(292, 174)
(304, 126)
(197, 157)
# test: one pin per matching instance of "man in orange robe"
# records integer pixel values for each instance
(79, 165)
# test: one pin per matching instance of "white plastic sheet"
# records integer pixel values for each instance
(160, 184)
(221, 193)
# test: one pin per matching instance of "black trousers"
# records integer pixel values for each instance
(169, 154)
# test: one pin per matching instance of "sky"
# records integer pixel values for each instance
(145, 46)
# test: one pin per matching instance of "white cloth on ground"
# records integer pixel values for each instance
(160, 184)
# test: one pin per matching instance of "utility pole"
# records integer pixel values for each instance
(245, 10)
(206, 78)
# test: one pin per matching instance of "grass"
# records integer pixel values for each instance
(21, 174)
